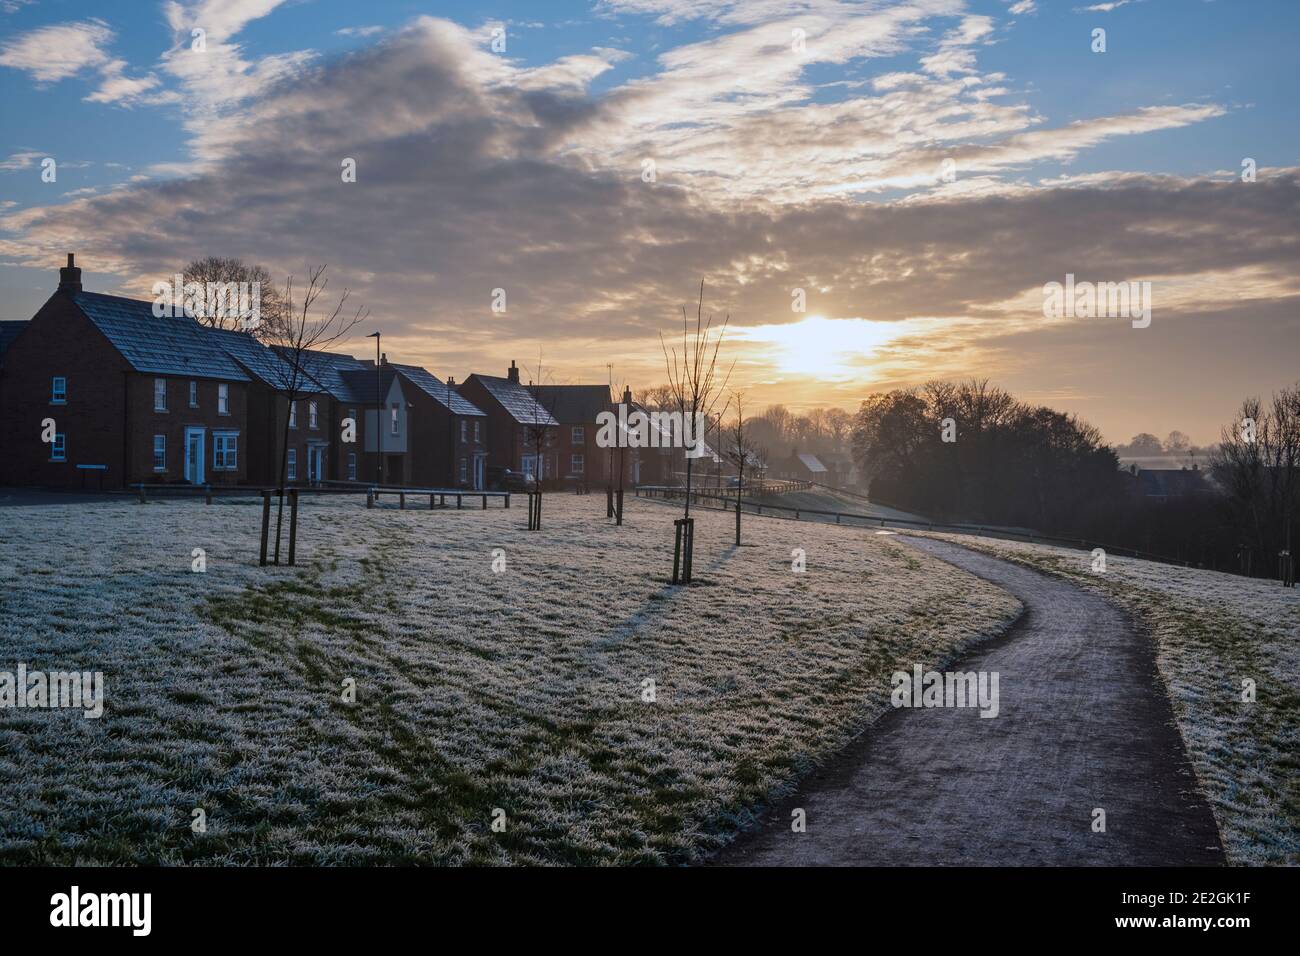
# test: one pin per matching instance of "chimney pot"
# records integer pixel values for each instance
(70, 277)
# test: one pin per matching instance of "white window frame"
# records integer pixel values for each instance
(194, 394)
(392, 417)
(159, 449)
(160, 395)
(293, 414)
(59, 390)
(59, 447)
(464, 470)
(464, 431)
(225, 457)
(578, 464)
(578, 435)
(352, 466)
(291, 471)
(223, 399)
(313, 420)
(478, 434)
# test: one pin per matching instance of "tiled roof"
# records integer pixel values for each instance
(362, 382)
(516, 400)
(573, 404)
(327, 368)
(162, 346)
(8, 332)
(811, 463)
(264, 364)
(438, 391)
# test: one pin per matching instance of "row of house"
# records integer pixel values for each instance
(97, 391)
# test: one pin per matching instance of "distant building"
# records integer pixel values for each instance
(577, 408)
(1163, 484)
(515, 422)
(803, 466)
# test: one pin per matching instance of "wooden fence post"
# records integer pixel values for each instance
(293, 522)
(266, 523)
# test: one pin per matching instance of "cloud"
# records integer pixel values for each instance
(57, 52)
(358, 31)
(21, 160)
(499, 175)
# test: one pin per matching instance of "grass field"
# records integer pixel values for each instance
(523, 691)
(1212, 632)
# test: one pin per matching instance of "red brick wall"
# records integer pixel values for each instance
(60, 340)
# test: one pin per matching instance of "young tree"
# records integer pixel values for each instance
(538, 434)
(302, 330)
(740, 452)
(696, 385)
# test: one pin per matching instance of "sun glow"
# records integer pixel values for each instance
(821, 347)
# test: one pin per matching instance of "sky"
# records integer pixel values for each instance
(913, 173)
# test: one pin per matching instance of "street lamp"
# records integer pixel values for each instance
(379, 410)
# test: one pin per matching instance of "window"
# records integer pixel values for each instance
(464, 472)
(293, 415)
(352, 466)
(579, 435)
(293, 464)
(392, 417)
(478, 434)
(59, 391)
(576, 464)
(311, 415)
(464, 431)
(223, 399)
(194, 394)
(225, 451)
(160, 395)
(159, 452)
(58, 451)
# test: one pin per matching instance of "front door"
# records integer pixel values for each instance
(194, 455)
(480, 472)
(315, 460)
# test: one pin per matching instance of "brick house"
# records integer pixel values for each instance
(134, 398)
(515, 420)
(449, 434)
(577, 408)
(310, 417)
(346, 396)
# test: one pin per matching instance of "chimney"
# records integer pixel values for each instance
(383, 359)
(451, 381)
(627, 395)
(512, 373)
(70, 277)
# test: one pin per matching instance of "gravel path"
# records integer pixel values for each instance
(1083, 723)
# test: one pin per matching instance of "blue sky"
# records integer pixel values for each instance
(149, 138)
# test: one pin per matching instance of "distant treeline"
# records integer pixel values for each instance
(1013, 464)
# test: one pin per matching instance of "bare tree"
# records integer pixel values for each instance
(220, 271)
(538, 435)
(740, 451)
(696, 386)
(303, 330)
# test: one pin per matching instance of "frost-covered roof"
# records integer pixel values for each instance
(264, 364)
(810, 462)
(429, 383)
(327, 368)
(163, 346)
(516, 400)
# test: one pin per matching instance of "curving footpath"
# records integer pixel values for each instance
(1083, 723)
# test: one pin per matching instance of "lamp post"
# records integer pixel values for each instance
(379, 409)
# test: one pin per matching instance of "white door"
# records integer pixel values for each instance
(194, 455)
(480, 468)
